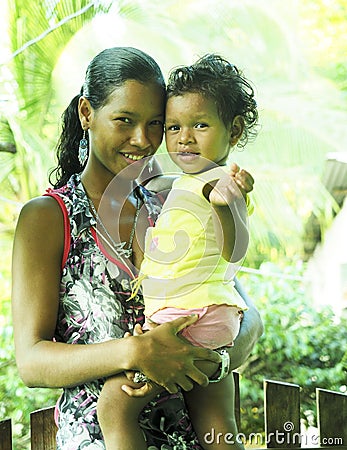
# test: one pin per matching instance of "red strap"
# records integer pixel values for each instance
(67, 228)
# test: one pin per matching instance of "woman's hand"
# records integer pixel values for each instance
(141, 389)
(168, 359)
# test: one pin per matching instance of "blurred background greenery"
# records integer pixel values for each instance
(295, 54)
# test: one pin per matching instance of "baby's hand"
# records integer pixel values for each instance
(130, 375)
(243, 179)
(144, 389)
(231, 187)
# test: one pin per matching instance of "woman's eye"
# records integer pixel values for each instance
(157, 122)
(124, 119)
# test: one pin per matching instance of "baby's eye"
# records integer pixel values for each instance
(201, 125)
(172, 127)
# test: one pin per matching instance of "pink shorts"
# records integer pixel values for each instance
(217, 326)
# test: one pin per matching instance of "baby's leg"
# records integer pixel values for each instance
(118, 415)
(211, 410)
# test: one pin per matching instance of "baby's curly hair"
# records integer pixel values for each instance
(221, 81)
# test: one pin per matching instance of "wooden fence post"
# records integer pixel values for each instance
(282, 414)
(282, 419)
(237, 406)
(43, 429)
(331, 417)
(6, 434)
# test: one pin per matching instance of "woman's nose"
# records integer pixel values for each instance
(139, 138)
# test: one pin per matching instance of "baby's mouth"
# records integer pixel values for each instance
(188, 156)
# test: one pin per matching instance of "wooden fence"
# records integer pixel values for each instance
(282, 421)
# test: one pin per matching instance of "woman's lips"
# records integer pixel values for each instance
(133, 157)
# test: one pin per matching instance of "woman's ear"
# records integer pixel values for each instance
(237, 128)
(84, 112)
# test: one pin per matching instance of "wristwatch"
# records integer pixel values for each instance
(224, 366)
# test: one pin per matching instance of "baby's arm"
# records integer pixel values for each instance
(230, 212)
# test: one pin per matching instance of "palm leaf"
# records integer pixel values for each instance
(39, 33)
(287, 157)
(53, 24)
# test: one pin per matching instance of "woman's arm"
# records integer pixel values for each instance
(36, 273)
(250, 331)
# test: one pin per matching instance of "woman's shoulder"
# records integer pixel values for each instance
(41, 211)
(42, 203)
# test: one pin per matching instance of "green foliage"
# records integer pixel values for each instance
(38, 33)
(302, 344)
(291, 144)
(36, 30)
(324, 33)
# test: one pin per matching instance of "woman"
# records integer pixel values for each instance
(71, 276)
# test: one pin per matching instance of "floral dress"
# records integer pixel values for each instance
(95, 307)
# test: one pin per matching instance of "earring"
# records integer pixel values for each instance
(83, 150)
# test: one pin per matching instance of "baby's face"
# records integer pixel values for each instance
(195, 134)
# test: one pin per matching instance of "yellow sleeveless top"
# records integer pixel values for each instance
(183, 267)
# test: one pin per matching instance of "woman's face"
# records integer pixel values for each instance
(128, 128)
